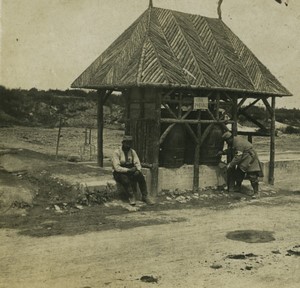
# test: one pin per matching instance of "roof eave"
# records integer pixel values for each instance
(178, 86)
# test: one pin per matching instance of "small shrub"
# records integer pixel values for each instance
(292, 130)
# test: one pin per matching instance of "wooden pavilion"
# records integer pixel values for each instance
(170, 66)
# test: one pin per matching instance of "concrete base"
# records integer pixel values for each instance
(182, 178)
(209, 176)
(285, 169)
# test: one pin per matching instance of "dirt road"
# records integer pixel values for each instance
(178, 248)
(214, 242)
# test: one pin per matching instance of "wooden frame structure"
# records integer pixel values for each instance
(144, 118)
(164, 61)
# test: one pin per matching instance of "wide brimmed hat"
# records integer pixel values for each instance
(226, 135)
(127, 138)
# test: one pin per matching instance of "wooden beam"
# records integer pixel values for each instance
(211, 115)
(142, 105)
(156, 144)
(250, 105)
(176, 101)
(193, 121)
(165, 134)
(258, 133)
(170, 110)
(224, 122)
(272, 144)
(225, 112)
(241, 102)
(180, 106)
(216, 121)
(107, 94)
(166, 95)
(100, 124)
(126, 95)
(253, 120)
(218, 106)
(197, 156)
(268, 106)
(58, 136)
(174, 115)
(190, 130)
(187, 112)
(234, 115)
(234, 112)
(229, 98)
(205, 133)
(250, 138)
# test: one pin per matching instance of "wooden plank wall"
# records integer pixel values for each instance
(143, 131)
(143, 123)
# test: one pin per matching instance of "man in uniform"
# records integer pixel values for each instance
(127, 171)
(245, 162)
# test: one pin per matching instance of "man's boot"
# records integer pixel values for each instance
(147, 200)
(230, 179)
(237, 187)
(255, 189)
(132, 200)
(239, 177)
(131, 197)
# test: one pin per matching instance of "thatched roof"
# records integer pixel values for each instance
(165, 48)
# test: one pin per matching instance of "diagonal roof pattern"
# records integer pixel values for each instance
(166, 48)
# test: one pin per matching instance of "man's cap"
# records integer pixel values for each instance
(127, 138)
(226, 135)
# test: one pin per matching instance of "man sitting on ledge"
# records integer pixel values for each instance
(127, 171)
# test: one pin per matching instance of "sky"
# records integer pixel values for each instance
(47, 44)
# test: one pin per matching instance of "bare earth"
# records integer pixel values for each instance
(219, 241)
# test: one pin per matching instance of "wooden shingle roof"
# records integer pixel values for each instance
(166, 48)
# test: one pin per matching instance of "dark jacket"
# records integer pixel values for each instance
(245, 157)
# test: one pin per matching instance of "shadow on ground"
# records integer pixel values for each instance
(45, 221)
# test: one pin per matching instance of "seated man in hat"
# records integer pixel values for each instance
(245, 162)
(127, 171)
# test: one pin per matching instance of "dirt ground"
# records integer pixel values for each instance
(206, 239)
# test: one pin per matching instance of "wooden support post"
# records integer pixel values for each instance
(217, 112)
(272, 144)
(156, 144)
(230, 177)
(58, 137)
(234, 115)
(250, 138)
(126, 95)
(142, 104)
(197, 156)
(100, 123)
